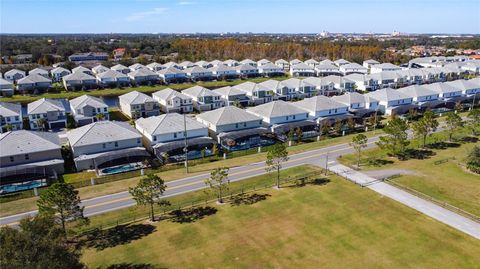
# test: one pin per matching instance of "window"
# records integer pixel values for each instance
(286, 118)
(260, 122)
(104, 145)
(236, 125)
(174, 135)
(27, 157)
(244, 124)
(154, 138)
(293, 116)
(12, 159)
(139, 141)
(17, 118)
(116, 144)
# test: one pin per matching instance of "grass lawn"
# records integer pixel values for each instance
(334, 225)
(117, 92)
(448, 182)
(24, 205)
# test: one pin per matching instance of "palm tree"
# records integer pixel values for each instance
(100, 116)
(41, 124)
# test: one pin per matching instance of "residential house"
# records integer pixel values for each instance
(249, 62)
(321, 86)
(203, 64)
(167, 135)
(421, 96)
(104, 144)
(341, 62)
(340, 84)
(388, 79)
(39, 71)
(11, 117)
(173, 101)
(203, 98)
(392, 102)
(98, 69)
(359, 104)
(82, 69)
(295, 62)
(446, 92)
(85, 109)
(172, 64)
(58, 73)
(469, 88)
(186, 65)
(6, 87)
(231, 96)
(283, 64)
(323, 108)
(52, 111)
(312, 63)
(29, 155)
(231, 63)
(223, 72)
(282, 117)
(196, 73)
(138, 105)
(88, 56)
(352, 68)
(369, 63)
(256, 93)
(155, 66)
(246, 70)
(112, 78)
(33, 83)
(377, 68)
(216, 63)
(323, 70)
(362, 82)
(143, 76)
(136, 66)
(13, 75)
(265, 61)
(121, 68)
(301, 70)
(172, 74)
(270, 70)
(79, 80)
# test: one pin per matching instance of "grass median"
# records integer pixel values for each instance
(335, 224)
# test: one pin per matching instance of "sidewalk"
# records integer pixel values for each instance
(430, 209)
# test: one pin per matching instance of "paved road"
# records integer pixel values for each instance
(120, 200)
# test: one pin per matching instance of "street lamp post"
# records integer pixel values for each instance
(185, 140)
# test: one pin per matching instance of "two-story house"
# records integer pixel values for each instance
(136, 104)
(173, 101)
(11, 118)
(87, 109)
(49, 112)
(203, 98)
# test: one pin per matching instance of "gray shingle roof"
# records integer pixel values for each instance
(352, 98)
(221, 68)
(135, 98)
(59, 70)
(227, 115)
(4, 82)
(38, 71)
(301, 66)
(168, 93)
(197, 91)
(341, 61)
(100, 69)
(353, 66)
(111, 74)
(119, 67)
(417, 91)
(43, 106)
(229, 91)
(13, 72)
(387, 95)
(85, 100)
(78, 76)
(10, 109)
(101, 132)
(170, 70)
(246, 67)
(167, 123)
(80, 69)
(25, 142)
(33, 78)
(248, 61)
(441, 88)
(319, 103)
(276, 109)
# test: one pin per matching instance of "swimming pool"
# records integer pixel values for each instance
(120, 169)
(14, 187)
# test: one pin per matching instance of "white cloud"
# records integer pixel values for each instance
(138, 16)
(184, 3)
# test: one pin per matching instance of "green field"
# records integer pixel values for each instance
(439, 176)
(120, 91)
(331, 225)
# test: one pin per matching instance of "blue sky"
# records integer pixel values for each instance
(281, 16)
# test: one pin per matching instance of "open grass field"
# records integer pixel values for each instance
(448, 181)
(28, 204)
(332, 225)
(120, 91)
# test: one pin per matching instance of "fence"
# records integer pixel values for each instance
(433, 200)
(194, 203)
